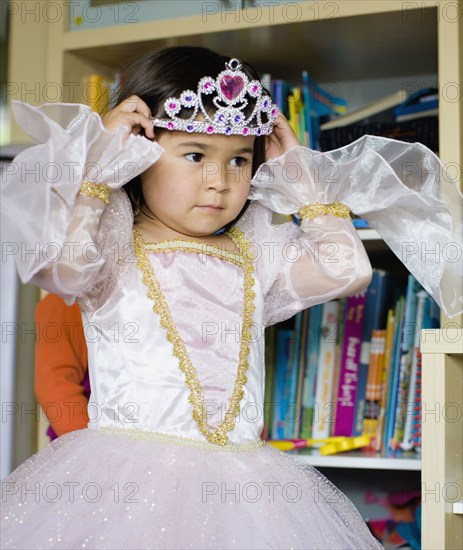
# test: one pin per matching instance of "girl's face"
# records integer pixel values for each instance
(199, 184)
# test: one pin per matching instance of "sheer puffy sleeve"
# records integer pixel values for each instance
(301, 266)
(395, 186)
(69, 244)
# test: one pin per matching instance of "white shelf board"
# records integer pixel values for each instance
(368, 235)
(458, 507)
(360, 460)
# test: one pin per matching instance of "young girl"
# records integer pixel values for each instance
(127, 219)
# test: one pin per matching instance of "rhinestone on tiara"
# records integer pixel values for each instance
(232, 88)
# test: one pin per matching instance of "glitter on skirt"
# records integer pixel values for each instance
(96, 490)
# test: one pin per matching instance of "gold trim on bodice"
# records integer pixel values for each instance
(217, 436)
(198, 247)
(185, 441)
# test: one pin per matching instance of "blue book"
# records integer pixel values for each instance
(375, 304)
(310, 124)
(292, 378)
(409, 329)
(420, 101)
(280, 95)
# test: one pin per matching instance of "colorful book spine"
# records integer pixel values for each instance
(296, 114)
(408, 337)
(324, 408)
(385, 381)
(310, 374)
(416, 424)
(373, 312)
(98, 93)
(337, 359)
(282, 356)
(350, 360)
(292, 411)
(269, 382)
(307, 109)
(373, 392)
(287, 405)
(395, 369)
(415, 379)
(301, 373)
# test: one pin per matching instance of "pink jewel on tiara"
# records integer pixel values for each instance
(231, 86)
(233, 91)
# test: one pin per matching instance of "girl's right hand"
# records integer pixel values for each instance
(130, 116)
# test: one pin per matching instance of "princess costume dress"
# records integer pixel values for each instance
(172, 456)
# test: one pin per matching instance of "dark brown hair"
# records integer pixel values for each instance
(165, 73)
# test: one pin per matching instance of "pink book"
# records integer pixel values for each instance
(350, 360)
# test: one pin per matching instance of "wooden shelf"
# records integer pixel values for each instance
(361, 460)
(328, 41)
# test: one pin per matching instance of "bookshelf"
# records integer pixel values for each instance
(358, 40)
(442, 437)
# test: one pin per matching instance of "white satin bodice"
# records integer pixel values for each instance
(135, 378)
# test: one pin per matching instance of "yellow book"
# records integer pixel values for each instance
(294, 99)
(97, 93)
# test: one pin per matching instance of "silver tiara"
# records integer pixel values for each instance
(232, 87)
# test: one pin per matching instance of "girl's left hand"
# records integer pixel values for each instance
(281, 139)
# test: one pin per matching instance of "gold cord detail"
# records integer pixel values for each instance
(311, 211)
(217, 436)
(98, 190)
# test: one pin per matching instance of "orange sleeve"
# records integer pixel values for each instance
(61, 363)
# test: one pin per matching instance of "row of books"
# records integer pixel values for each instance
(305, 105)
(99, 92)
(321, 122)
(351, 367)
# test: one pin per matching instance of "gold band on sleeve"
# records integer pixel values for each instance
(311, 211)
(98, 190)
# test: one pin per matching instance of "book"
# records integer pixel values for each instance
(394, 374)
(292, 379)
(98, 93)
(287, 402)
(324, 407)
(301, 372)
(374, 308)
(424, 100)
(431, 319)
(311, 120)
(269, 382)
(296, 113)
(280, 90)
(385, 379)
(406, 355)
(349, 368)
(337, 357)
(415, 377)
(310, 371)
(283, 341)
(358, 115)
(373, 392)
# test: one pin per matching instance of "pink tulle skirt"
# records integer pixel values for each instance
(94, 490)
